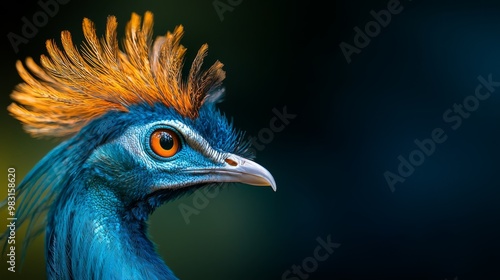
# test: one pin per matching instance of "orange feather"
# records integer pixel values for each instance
(74, 86)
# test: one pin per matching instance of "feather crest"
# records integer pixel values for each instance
(74, 86)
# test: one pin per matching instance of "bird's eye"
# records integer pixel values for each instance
(164, 142)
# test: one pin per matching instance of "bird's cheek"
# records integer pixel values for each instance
(169, 181)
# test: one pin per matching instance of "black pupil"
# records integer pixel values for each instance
(166, 140)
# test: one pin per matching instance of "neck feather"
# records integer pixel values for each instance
(91, 235)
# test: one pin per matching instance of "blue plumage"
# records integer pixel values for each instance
(94, 192)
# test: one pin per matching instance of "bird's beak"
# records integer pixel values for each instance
(240, 170)
(245, 171)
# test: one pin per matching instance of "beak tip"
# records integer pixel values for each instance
(273, 186)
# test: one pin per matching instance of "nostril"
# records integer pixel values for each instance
(231, 162)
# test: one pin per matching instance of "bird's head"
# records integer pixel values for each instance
(133, 123)
(152, 154)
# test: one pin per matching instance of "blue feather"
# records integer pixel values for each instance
(140, 137)
(64, 195)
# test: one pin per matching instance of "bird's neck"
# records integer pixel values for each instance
(98, 238)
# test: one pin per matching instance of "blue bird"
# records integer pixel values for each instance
(135, 134)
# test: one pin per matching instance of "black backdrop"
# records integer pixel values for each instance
(407, 101)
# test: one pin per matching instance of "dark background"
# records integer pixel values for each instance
(352, 122)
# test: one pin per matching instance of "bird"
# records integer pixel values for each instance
(133, 133)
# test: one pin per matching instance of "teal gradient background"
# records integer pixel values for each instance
(352, 122)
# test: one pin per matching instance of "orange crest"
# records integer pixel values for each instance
(73, 87)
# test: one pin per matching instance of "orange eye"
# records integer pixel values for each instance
(164, 142)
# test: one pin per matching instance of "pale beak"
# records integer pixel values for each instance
(240, 170)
